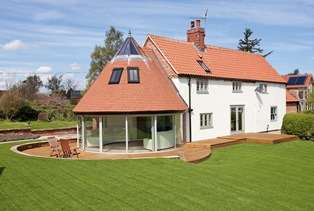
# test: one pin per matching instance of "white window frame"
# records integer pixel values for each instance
(202, 86)
(206, 120)
(273, 115)
(303, 95)
(262, 87)
(236, 86)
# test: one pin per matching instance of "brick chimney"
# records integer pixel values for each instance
(196, 34)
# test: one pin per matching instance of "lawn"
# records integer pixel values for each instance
(239, 177)
(35, 125)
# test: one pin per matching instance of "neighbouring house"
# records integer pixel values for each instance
(292, 103)
(74, 96)
(300, 85)
(169, 92)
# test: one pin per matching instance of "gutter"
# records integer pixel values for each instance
(190, 110)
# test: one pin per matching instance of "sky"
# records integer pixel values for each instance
(48, 37)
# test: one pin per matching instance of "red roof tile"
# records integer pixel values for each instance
(290, 98)
(154, 93)
(222, 62)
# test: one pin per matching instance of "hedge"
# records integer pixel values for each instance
(299, 124)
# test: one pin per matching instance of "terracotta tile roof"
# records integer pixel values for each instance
(308, 81)
(290, 98)
(222, 62)
(154, 93)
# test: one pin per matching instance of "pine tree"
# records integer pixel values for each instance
(103, 54)
(251, 45)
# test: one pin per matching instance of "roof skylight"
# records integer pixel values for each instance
(116, 76)
(203, 65)
(133, 75)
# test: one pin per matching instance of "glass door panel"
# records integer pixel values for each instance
(240, 118)
(233, 119)
(237, 115)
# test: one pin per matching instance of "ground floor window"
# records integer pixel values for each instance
(206, 120)
(164, 123)
(273, 113)
(91, 131)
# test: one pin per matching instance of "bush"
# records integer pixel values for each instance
(10, 103)
(299, 124)
(25, 113)
(309, 112)
(56, 107)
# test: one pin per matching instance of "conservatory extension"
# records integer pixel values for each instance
(131, 107)
(129, 133)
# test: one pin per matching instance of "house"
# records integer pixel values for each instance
(292, 102)
(170, 91)
(300, 85)
(74, 96)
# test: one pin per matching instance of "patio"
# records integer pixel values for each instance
(189, 152)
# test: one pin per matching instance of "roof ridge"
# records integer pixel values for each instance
(171, 39)
(207, 45)
(232, 49)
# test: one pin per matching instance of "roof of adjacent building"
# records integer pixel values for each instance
(154, 92)
(224, 63)
(290, 98)
(298, 80)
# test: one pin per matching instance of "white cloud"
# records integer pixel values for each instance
(75, 66)
(44, 73)
(48, 15)
(44, 69)
(13, 45)
(68, 76)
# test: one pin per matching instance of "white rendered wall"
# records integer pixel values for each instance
(219, 99)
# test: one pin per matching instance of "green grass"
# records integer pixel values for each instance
(239, 177)
(36, 125)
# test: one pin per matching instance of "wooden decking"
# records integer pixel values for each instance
(189, 152)
(260, 138)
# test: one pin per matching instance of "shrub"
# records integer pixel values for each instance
(25, 113)
(10, 103)
(299, 124)
(56, 107)
(309, 112)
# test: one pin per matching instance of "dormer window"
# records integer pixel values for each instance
(236, 86)
(115, 76)
(262, 88)
(203, 65)
(133, 75)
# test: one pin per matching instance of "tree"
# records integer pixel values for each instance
(69, 85)
(30, 87)
(10, 103)
(55, 85)
(311, 97)
(295, 72)
(103, 54)
(251, 45)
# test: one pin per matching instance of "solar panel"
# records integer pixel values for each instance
(292, 80)
(298, 80)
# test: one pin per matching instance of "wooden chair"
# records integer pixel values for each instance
(67, 151)
(55, 147)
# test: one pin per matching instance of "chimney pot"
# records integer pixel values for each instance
(196, 34)
(198, 23)
(192, 24)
